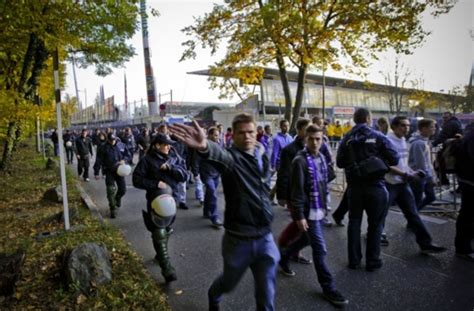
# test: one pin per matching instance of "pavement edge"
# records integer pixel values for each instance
(86, 199)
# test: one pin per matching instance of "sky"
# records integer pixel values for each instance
(444, 61)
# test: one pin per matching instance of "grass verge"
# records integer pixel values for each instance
(41, 284)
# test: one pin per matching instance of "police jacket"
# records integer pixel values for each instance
(83, 146)
(365, 142)
(109, 155)
(147, 173)
(450, 129)
(300, 185)
(246, 188)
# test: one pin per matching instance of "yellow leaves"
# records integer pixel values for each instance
(81, 299)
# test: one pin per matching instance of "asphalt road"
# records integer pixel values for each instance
(407, 281)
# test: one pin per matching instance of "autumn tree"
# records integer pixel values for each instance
(94, 32)
(304, 35)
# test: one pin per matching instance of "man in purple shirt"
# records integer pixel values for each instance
(280, 141)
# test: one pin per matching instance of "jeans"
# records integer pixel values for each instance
(83, 166)
(210, 199)
(69, 154)
(198, 189)
(403, 196)
(314, 237)
(181, 192)
(261, 256)
(465, 221)
(373, 199)
(426, 186)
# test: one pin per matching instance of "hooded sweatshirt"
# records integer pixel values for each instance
(419, 157)
(401, 147)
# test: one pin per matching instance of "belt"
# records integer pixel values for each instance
(243, 237)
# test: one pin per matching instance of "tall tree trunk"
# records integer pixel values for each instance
(8, 146)
(285, 85)
(299, 95)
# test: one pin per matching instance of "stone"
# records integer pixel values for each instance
(88, 266)
(53, 194)
(10, 266)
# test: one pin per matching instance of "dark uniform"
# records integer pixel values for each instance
(367, 193)
(108, 158)
(147, 175)
(83, 149)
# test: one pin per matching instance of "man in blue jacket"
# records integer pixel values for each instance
(109, 156)
(248, 240)
(366, 189)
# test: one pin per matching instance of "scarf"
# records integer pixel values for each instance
(315, 197)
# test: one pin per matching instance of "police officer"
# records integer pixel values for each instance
(159, 172)
(83, 149)
(109, 156)
(365, 155)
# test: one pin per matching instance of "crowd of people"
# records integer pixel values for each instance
(381, 166)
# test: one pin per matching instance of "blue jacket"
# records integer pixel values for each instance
(365, 142)
(280, 141)
(109, 155)
(245, 177)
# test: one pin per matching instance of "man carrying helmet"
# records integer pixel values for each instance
(110, 156)
(159, 173)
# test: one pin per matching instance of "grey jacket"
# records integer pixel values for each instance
(419, 157)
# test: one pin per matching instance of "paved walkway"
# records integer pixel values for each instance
(408, 280)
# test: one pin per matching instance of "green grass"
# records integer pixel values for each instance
(41, 285)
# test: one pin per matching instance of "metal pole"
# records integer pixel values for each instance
(75, 84)
(42, 139)
(57, 92)
(324, 94)
(38, 136)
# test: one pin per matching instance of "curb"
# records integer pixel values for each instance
(89, 203)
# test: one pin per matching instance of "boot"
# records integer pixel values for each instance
(160, 243)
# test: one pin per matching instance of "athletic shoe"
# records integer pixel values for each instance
(285, 269)
(384, 240)
(336, 298)
(432, 249)
(301, 259)
(217, 224)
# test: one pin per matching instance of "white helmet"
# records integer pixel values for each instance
(164, 206)
(68, 143)
(124, 170)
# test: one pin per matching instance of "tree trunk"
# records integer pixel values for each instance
(299, 96)
(8, 146)
(285, 85)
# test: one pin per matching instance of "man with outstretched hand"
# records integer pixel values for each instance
(248, 241)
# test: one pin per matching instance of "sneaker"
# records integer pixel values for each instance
(336, 298)
(301, 259)
(384, 240)
(183, 206)
(432, 249)
(468, 257)
(217, 224)
(338, 221)
(326, 222)
(86, 179)
(285, 269)
(373, 267)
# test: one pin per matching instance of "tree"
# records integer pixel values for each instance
(95, 33)
(397, 82)
(305, 35)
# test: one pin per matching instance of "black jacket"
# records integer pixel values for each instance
(365, 143)
(247, 212)
(202, 167)
(83, 146)
(300, 187)
(147, 173)
(450, 129)
(109, 155)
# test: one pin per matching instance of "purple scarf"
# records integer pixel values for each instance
(315, 197)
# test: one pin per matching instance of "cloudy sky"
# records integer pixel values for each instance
(443, 62)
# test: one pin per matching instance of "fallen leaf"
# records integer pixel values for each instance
(81, 299)
(178, 292)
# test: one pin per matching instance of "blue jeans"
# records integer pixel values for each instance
(261, 255)
(403, 196)
(426, 186)
(210, 198)
(373, 199)
(198, 190)
(314, 237)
